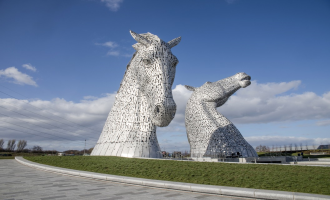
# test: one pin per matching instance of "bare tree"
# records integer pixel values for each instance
(290, 148)
(21, 145)
(301, 146)
(295, 147)
(265, 148)
(314, 147)
(50, 152)
(306, 146)
(258, 148)
(26, 150)
(37, 149)
(261, 148)
(1, 144)
(11, 145)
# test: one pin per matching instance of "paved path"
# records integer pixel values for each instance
(18, 181)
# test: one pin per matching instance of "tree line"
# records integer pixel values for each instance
(79, 152)
(289, 147)
(19, 147)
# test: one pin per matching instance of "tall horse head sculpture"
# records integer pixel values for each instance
(143, 101)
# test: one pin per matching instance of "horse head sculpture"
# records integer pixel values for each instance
(143, 101)
(155, 71)
(211, 134)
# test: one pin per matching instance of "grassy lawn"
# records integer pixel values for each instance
(7, 157)
(13, 154)
(271, 177)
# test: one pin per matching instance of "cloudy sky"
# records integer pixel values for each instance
(61, 63)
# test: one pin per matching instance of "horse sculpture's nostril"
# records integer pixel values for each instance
(157, 109)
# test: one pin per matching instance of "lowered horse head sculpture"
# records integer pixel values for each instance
(143, 101)
(210, 134)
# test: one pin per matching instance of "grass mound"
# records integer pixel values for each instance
(305, 179)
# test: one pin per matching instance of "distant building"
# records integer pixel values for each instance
(61, 154)
(324, 147)
(177, 154)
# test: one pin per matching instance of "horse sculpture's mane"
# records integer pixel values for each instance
(144, 100)
(137, 47)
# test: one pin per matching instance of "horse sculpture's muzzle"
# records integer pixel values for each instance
(244, 80)
(163, 113)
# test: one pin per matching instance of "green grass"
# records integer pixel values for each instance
(18, 154)
(7, 157)
(271, 177)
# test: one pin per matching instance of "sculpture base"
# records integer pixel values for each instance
(128, 151)
(265, 159)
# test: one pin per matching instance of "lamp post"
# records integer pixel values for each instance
(84, 147)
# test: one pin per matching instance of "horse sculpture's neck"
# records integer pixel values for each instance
(128, 131)
(132, 105)
(202, 119)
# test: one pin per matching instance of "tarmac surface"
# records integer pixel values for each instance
(19, 181)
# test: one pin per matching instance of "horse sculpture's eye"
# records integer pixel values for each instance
(147, 61)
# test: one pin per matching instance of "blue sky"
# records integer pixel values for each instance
(67, 58)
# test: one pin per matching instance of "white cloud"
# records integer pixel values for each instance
(90, 97)
(114, 49)
(113, 53)
(264, 103)
(323, 123)
(181, 96)
(19, 77)
(259, 103)
(113, 5)
(29, 67)
(55, 122)
(109, 44)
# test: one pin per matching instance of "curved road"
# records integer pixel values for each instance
(18, 181)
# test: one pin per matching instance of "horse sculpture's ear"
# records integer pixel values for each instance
(140, 39)
(190, 88)
(174, 42)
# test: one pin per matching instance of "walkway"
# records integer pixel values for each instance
(18, 181)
